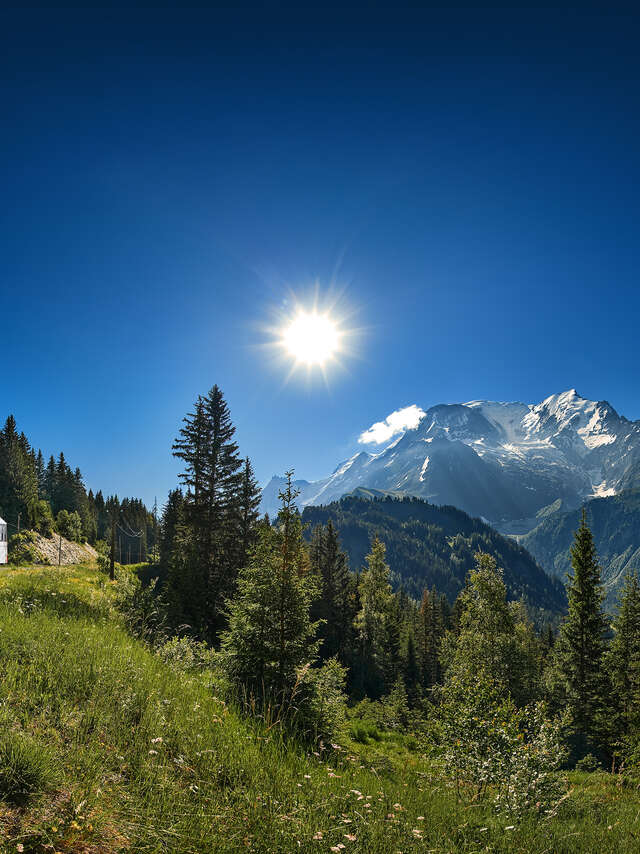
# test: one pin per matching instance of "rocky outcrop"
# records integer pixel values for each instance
(58, 549)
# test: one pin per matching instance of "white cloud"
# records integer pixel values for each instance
(402, 419)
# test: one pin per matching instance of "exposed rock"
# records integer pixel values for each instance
(58, 549)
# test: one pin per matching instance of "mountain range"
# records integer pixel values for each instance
(503, 462)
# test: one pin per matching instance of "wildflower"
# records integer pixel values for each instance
(19, 847)
(420, 818)
(317, 835)
(397, 806)
(157, 740)
(350, 837)
(153, 753)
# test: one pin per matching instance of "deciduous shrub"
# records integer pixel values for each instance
(495, 751)
(69, 525)
(23, 550)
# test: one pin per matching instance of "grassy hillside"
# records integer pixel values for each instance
(429, 545)
(615, 522)
(106, 746)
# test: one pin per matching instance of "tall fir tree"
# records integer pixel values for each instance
(622, 664)
(412, 671)
(18, 475)
(249, 514)
(213, 510)
(492, 636)
(430, 631)
(335, 602)
(271, 635)
(580, 647)
(371, 622)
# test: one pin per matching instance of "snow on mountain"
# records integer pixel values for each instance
(502, 461)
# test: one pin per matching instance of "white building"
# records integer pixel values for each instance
(3, 541)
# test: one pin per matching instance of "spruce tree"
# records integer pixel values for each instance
(213, 510)
(18, 475)
(580, 646)
(412, 671)
(622, 665)
(271, 635)
(335, 602)
(430, 631)
(371, 621)
(248, 507)
(492, 636)
(392, 642)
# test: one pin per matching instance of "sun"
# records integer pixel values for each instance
(311, 338)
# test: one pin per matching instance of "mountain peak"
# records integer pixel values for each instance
(503, 461)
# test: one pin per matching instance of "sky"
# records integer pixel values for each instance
(460, 186)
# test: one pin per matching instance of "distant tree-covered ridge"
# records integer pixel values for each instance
(51, 497)
(615, 522)
(434, 546)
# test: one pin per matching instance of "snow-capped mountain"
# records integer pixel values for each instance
(500, 461)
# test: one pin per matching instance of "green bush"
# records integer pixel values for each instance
(43, 519)
(322, 714)
(186, 655)
(23, 550)
(26, 767)
(588, 763)
(498, 752)
(70, 525)
(104, 562)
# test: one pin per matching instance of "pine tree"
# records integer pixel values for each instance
(430, 631)
(580, 646)
(392, 642)
(249, 503)
(271, 635)
(213, 510)
(335, 603)
(412, 671)
(492, 637)
(371, 621)
(192, 448)
(623, 666)
(18, 475)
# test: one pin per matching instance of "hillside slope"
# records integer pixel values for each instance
(106, 746)
(615, 522)
(429, 545)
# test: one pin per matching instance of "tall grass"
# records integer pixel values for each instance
(107, 747)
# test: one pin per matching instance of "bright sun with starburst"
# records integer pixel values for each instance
(311, 338)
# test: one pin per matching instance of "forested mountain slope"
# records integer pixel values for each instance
(429, 545)
(615, 522)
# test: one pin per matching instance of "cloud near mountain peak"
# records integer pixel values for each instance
(406, 418)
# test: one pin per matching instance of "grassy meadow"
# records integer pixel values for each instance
(106, 746)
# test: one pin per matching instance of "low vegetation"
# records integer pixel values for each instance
(110, 745)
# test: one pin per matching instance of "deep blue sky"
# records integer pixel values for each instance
(468, 179)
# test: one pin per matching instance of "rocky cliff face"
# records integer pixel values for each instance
(69, 552)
